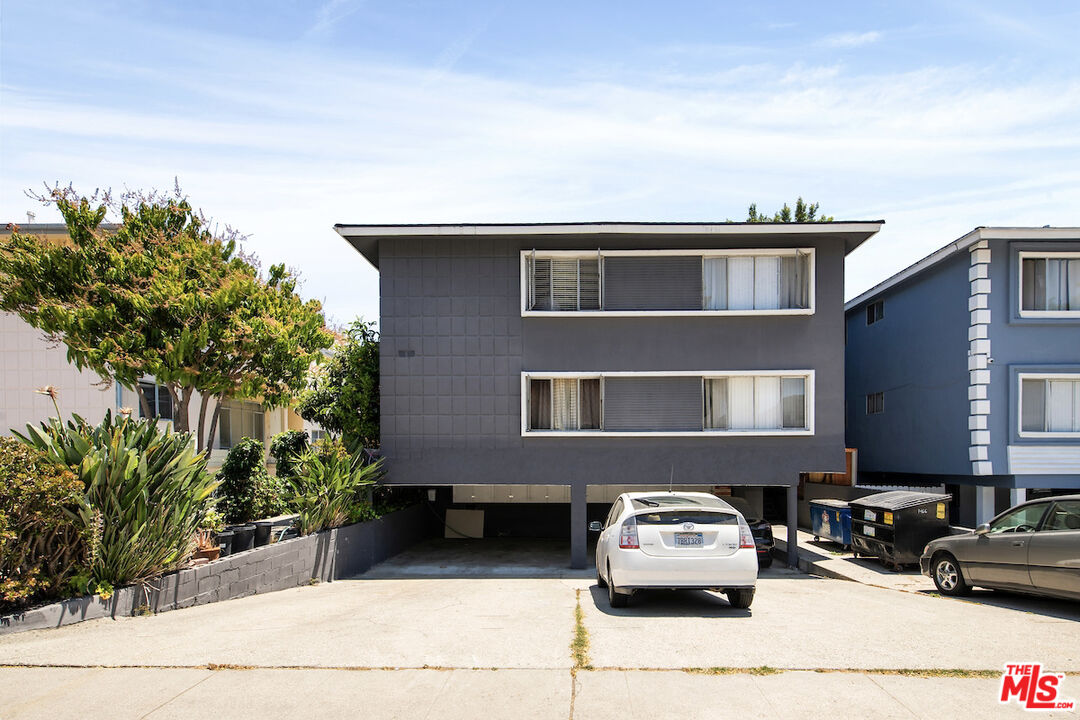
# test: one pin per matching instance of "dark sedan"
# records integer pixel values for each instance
(1031, 548)
(761, 530)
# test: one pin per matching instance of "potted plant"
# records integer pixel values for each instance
(206, 545)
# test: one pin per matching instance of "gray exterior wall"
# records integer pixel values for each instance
(454, 345)
(917, 355)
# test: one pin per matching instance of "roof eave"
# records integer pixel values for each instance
(963, 243)
(365, 237)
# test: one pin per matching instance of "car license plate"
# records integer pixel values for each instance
(689, 539)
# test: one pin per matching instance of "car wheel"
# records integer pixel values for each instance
(740, 598)
(765, 561)
(615, 599)
(600, 578)
(948, 577)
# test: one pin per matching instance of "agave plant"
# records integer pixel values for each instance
(328, 488)
(145, 492)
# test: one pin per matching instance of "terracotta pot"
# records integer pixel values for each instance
(209, 553)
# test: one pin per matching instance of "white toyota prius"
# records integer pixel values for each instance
(675, 540)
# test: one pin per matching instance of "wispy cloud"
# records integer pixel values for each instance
(297, 142)
(329, 14)
(851, 39)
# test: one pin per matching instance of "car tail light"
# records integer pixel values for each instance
(628, 535)
(746, 538)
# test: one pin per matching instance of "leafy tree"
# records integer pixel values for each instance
(286, 448)
(161, 294)
(804, 213)
(343, 397)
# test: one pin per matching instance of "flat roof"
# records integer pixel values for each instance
(365, 238)
(977, 235)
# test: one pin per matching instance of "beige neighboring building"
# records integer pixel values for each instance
(28, 362)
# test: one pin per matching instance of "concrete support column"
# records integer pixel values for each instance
(578, 528)
(984, 504)
(793, 526)
(1017, 496)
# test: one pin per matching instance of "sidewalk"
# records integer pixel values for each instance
(827, 559)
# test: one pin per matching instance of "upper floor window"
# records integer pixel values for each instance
(1050, 405)
(1050, 284)
(564, 283)
(238, 420)
(675, 403)
(159, 399)
(676, 282)
(875, 311)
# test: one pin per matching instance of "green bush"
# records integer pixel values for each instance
(330, 490)
(247, 491)
(40, 542)
(144, 493)
(286, 449)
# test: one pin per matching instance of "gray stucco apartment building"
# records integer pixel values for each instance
(561, 359)
(964, 370)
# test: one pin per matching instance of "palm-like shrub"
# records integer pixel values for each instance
(145, 492)
(329, 489)
(40, 543)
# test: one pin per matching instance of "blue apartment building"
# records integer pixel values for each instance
(964, 370)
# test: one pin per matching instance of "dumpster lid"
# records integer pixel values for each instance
(900, 499)
(830, 502)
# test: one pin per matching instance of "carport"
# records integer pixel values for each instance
(563, 512)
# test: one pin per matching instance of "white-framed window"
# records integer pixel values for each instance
(683, 403)
(778, 281)
(238, 420)
(564, 404)
(1049, 284)
(1049, 405)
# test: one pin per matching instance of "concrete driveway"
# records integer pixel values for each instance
(452, 646)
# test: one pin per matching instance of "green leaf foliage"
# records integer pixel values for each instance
(330, 490)
(285, 448)
(343, 395)
(40, 543)
(803, 213)
(145, 492)
(248, 492)
(159, 294)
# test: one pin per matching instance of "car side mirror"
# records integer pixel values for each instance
(982, 529)
(595, 526)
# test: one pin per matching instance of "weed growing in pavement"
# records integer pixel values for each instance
(579, 646)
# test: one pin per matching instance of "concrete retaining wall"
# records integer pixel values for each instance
(326, 556)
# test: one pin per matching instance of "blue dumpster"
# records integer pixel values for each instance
(831, 520)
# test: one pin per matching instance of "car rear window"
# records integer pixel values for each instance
(678, 517)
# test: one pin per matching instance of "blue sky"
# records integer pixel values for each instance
(282, 118)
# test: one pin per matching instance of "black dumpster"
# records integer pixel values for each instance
(895, 526)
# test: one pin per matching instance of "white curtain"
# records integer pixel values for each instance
(564, 404)
(1073, 292)
(1062, 406)
(741, 403)
(793, 394)
(715, 272)
(766, 283)
(768, 415)
(716, 404)
(740, 282)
